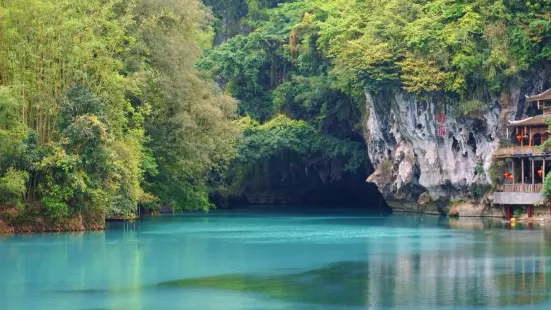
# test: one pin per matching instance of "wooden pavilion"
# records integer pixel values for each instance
(526, 161)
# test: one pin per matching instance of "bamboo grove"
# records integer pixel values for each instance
(102, 110)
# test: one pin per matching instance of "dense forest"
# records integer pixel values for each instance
(107, 105)
(102, 110)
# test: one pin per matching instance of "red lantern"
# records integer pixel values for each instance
(505, 174)
(519, 137)
(540, 173)
(511, 177)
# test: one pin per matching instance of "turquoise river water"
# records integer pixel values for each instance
(272, 260)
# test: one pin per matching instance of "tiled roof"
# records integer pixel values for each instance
(546, 95)
(531, 121)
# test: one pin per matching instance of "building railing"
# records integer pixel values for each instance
(519, 188)
(520, 150)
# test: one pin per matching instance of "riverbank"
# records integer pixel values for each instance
(26, 224)
(13, 221)
(41, 226)
(5, 229)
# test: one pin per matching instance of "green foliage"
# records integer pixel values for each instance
(469, 107)
(12, 135)
(232, 16)
(496, 171)
(12, 130)
(479, 168)
(49, 45)
(242, 61)
(519, 211)
(294, 140)
(12, 186)
(101, 108)
(462, 48)
(282, 134)
(479, 190)
(295, 114)
(546, 189)
(85, 168)
(190, 128)
(254, 66)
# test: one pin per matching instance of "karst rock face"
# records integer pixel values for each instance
(421, 167)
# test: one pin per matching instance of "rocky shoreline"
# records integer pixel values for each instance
(462, 209)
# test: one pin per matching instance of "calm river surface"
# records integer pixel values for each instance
(268, 260)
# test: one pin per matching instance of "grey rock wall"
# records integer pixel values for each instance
(419, 171)
(411, 159)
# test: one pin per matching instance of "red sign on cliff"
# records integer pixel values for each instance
(441, 128)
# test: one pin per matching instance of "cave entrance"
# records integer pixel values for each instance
(350, 191)
(311, 189)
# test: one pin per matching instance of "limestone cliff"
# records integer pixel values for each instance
(418, 170)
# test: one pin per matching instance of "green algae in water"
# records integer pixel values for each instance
(337, 284)
(348, 284)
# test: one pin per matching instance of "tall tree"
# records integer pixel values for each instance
(190, 129)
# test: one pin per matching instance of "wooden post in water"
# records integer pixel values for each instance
(508, 212)
(529, 211)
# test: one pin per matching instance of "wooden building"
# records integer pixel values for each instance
(525, 161)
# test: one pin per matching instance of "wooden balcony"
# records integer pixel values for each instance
(519, 188)
(520, 150)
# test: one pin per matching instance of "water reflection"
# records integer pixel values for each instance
(238, 262)
(493, 270)
(499, 269)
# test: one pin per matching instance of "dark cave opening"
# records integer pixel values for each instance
(314, 182)
(351, 191)
(455, 145)
(309, 189)
(472, 142)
